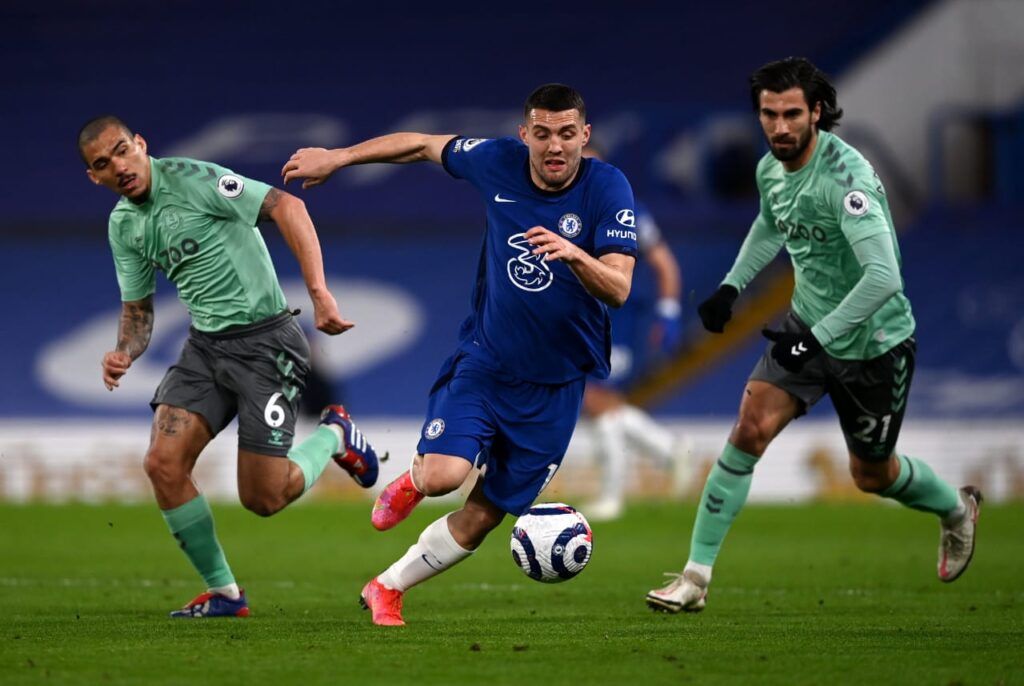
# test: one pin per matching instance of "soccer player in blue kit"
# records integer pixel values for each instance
(558, 250)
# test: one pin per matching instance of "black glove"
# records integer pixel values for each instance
(792, 350)
(717, 310)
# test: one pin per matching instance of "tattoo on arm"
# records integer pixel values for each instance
(269, 203)
(136, 326)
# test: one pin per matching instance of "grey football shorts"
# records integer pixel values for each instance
(870, 396)
(257, 372)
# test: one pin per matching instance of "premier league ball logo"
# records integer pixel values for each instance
(230, 186)
(856, 203)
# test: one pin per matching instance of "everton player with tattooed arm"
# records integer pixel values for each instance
(558, 250)
(245, 354)
(849, 332)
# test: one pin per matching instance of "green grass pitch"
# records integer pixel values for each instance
(814, 594)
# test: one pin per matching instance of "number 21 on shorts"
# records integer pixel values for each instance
(869, 424)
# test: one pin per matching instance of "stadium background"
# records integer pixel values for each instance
(934, 98)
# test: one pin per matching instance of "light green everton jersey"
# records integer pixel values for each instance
(198, 227)
(832, 202)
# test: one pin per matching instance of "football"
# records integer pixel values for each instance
(552, 542)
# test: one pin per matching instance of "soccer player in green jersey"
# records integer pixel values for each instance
(849, 332)
(245, 354)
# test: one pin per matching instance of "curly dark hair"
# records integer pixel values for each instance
(798, 72)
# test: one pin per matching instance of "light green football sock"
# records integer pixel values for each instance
(313, 454)
(724, 494)
(920, 488)
(192, 525)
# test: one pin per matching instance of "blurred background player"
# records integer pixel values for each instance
(849, 332)
(559, 249)
(245, 354)
(621, 430)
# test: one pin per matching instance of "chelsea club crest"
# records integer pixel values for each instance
(570, 225)
(434, 429)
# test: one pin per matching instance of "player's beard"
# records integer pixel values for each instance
(796, 151)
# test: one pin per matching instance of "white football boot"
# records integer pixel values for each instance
(956, 545)
(687, 592)
(604, 510)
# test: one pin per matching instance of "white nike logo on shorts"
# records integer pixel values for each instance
(498, 198)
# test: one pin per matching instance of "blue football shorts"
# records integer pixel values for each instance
(519, 430)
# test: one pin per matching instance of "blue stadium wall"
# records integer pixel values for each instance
(247, 83)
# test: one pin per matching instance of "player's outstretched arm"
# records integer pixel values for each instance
(133, 332)
(291, 217)
(315, 165)
(608, 278)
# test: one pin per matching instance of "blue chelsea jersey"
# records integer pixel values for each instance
(533, 319)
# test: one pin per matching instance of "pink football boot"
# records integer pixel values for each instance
(395, 502)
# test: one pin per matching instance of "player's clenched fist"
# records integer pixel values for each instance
(115, 364)
(313, 165)
(326, 316)
(716, 311)
(552, 246)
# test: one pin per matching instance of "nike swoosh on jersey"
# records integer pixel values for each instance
(498, 198)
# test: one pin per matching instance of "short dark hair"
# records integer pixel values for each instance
(798, 72)
(555, 97)
(92, 129)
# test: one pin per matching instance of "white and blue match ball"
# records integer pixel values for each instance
(552, 542)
